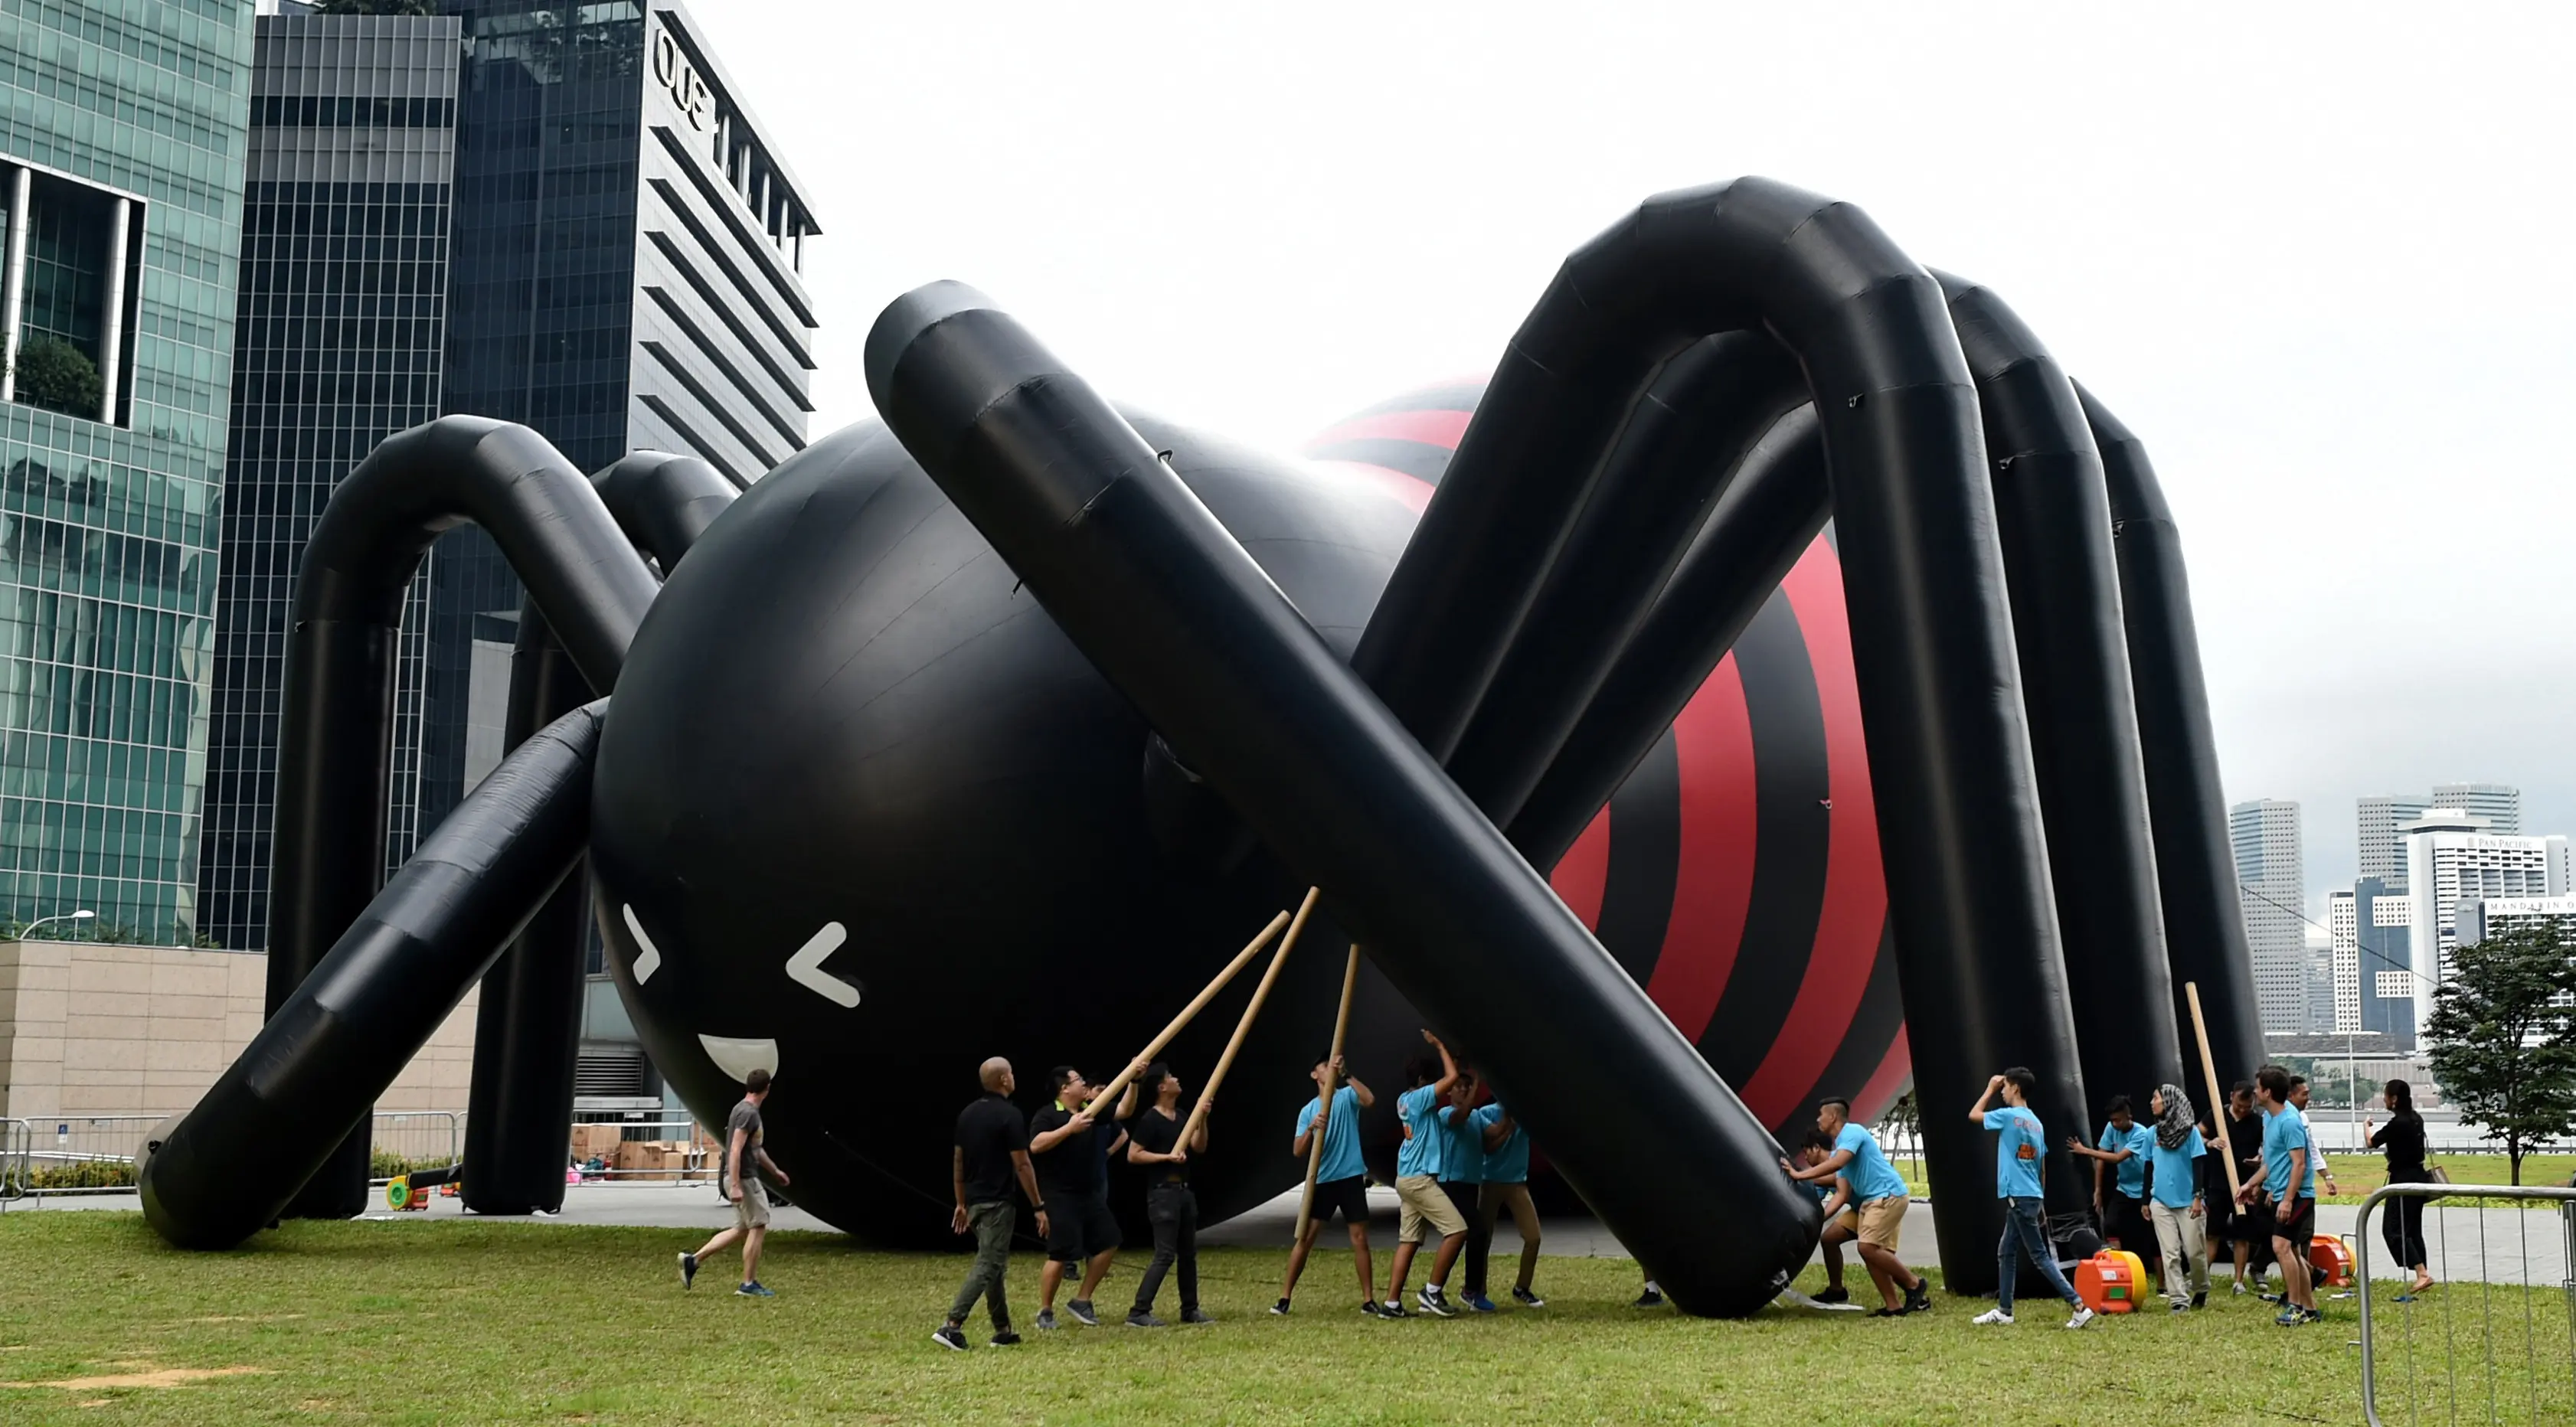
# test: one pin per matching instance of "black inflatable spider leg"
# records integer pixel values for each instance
(1766, 519)
(308, 1081)
(527, 1025)
(1171, 610)
(1683, 443)
(2054, 516)
(2195, 870)
(336, 715)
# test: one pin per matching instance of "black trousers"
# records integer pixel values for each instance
(1480, 1233)
(2125, 1219)
(2401, 1221)
(1174, 1212)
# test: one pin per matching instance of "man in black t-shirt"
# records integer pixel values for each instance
(1072, 1149)
(992, 1150)
(2240, 1138)
(1154, 1144)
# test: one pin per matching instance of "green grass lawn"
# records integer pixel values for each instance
(449, 1322)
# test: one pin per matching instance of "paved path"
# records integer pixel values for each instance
(2496, 1245)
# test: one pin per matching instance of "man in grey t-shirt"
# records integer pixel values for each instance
(744, 1162)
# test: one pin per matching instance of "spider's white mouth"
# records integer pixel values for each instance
(739, 1058)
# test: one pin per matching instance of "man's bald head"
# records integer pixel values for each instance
(996, 1075)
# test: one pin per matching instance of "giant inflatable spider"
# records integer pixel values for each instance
(990, 729)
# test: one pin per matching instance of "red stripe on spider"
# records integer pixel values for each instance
(1406, 491)
(1714, 740)
(1854, 912)
(1583, 874)
(1886, 1083)
(1430, 427)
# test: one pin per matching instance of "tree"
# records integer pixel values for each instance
(2502, 1039)
(58, 376)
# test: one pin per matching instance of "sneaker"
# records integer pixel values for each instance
(2082, 1317)
(2290, 1318)
(1046, 1320)
(2240, 1288)
(1394, 1308)
(2200, 1300)
(1887, 1313)
(1434, 1302)
(950, 1337)
(1527, 1299)
(1651, 1298)
(1197, 1315)
(1005, 1339)
(1992, 1317)
(1280, 1308)
(1368, 1306)
(1080, 1311)
(1481, 1303)
(688, 1270)
(2314, 1315)
(1918, 1299)
(753, 1290)
(1142, 1319)
(1833, 1294)
(2180, 1305)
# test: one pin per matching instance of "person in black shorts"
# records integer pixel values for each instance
(1341, 1180)
(992, 1150)
(2239, 1137)
(1072, 1153)
(1154, 1145)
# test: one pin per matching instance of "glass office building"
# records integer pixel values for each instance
(340, 341)
(121, 151)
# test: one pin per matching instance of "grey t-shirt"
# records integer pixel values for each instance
(746, 1119)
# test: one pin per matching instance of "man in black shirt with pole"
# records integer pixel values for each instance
(1072, 1151)
(1154, 1145)
(992, 1150)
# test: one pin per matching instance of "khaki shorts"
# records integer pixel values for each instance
(1881, 1220)
(1425, 1204)
(751, 1211)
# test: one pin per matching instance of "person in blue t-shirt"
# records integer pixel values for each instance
(1341, 1179)
(2290, 1177)
(1507, 1152)
(2120, 1179)
(2181, 1215)
(1462, 1178)
(1833, 1196)
(2020, 1143)
(1417, 1185)
(1879, 1204)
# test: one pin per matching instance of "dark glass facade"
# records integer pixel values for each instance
(122, 127)
(341, 337)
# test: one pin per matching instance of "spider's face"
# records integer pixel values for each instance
(864, 817)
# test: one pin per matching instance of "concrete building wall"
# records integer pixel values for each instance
(88, 1029)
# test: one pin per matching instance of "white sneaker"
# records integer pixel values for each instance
(2082, 1317)
(1993, 1316)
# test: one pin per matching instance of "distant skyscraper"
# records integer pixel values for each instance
(2270, 870)
(2319, 984)
(342, 331)
(2501, 806)
(2383, 939)
(2452, 860)
(2383, 852)
(2344, 949)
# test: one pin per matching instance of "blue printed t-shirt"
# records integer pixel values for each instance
(1871, 1176)
(2017, 1151)
(1420, 1153)
(2132, 1171)
(1341, 1135)
(2177, 1178)
(2284, 1134)
(1508, 1162)
(1462, 1147)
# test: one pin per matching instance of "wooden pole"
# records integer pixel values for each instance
(1332, 1083)
(2217, 1098)
(1243, 1027)
(1110, 1092)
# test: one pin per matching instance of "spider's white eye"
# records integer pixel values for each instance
(649, 959)
(805, 968)
(739, 1058)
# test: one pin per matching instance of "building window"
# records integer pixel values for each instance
(68, 286)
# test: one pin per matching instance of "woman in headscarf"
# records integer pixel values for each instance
(2173, 1188)
(2402, 1140)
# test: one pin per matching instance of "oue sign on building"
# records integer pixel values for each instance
(672, 70)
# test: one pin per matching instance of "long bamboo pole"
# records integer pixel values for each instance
(1243, 1027)
(2217, 1097)
(1109, 1093)
(1332, 1083)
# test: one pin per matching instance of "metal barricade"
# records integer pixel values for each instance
(13, 1160)
(645, 1151)
(404, 1140)
(82, 1154)
(2504, 1282)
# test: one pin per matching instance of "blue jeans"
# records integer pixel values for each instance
(2023, 1233)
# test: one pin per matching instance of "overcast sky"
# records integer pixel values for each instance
(2322, 259)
